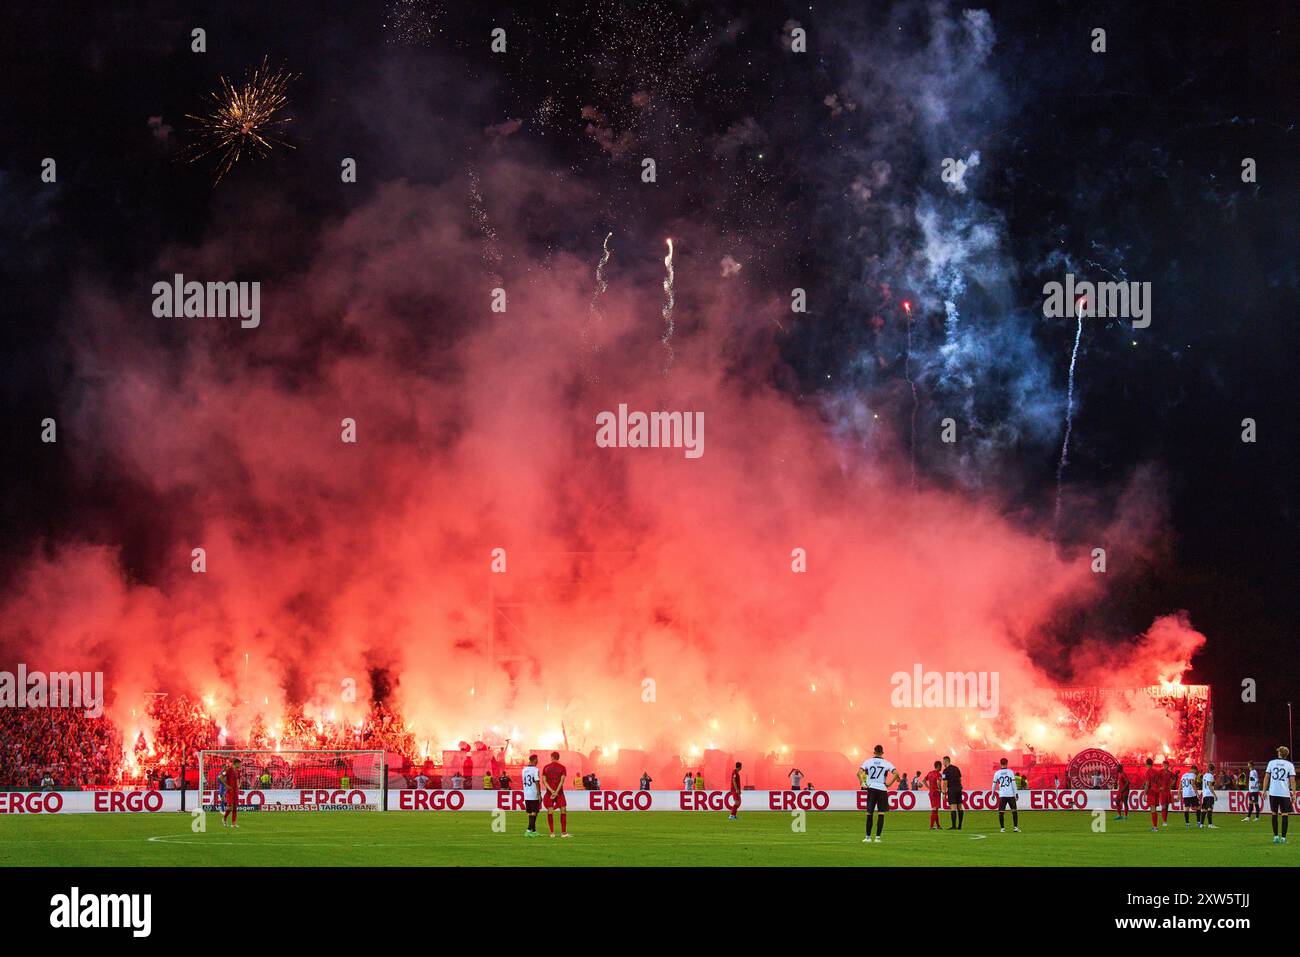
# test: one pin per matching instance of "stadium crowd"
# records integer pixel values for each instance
(48, 748)
(66, 749)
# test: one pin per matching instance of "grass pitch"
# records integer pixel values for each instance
(831, 839)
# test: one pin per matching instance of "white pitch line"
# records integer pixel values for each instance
(170, 839)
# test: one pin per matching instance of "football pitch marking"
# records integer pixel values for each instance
(652, 840)
(171, 839)
(202, 842)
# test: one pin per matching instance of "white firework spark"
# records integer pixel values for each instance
(413, 22)
(907, 371)
(593, 313)
(669, 301)
(491, 254)
(601, 285)
(1069, 408)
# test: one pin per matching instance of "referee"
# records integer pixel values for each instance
(956, 797)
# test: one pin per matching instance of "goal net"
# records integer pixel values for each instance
(290, 771)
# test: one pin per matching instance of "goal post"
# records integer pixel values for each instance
(294, 771)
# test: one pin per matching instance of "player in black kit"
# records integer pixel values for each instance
(956, 797)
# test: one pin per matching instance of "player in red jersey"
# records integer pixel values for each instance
(1159, 792)
(1122, 786)
(933, 780)
(231, 777)
(733, 796)
(1166, 792)
(553, 785)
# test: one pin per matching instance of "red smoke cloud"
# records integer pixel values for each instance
(476, 431)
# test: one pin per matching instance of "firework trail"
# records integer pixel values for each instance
(593, 313)
(601, 285)
(242, 119)
(491, 255)
(907, 371)
(669, 302)
(1069, 408)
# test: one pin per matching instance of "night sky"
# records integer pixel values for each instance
(819, 170)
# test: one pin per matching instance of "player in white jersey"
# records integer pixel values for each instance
(877, 771)
(1280, 775)
(1004, 782)
(1252, 791)
(1191, 801)
(532, 777)
(1207, 799)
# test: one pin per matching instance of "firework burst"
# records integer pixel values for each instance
(244, 119)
